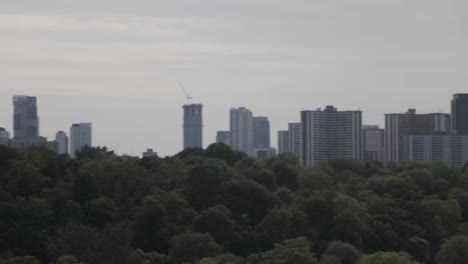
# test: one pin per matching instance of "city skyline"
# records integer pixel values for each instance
(116, 63)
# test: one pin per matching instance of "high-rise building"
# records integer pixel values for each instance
(261, 132)
(330, 134)
(80, 136)
(4, 137)
(450, 149)
(283, 141)
(295, 140)
(193, 126)
(61, 140)
(25, 119)
(373, 147)
(399, 126)
(241, 130)
(223, 137)
(460, 114)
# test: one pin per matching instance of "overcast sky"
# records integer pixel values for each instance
(116, 63)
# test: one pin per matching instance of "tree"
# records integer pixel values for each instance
(21, 260)
(100, 211)
(454, 251)
(190, 247)
(205, 180)
(150, 228)
(387, 258)
(67, 260)
(224, 152)
(290, 251)
(217, 222)
(239, 197)
(343, 252)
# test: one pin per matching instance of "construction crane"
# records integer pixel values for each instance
(187, 94)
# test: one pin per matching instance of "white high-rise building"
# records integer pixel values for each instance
(283, 141)
(80, 136)
(241, 130)
(330, 134)
(295, 140)
(61, 140)
(373, 147)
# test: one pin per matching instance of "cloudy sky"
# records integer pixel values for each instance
(116, 63)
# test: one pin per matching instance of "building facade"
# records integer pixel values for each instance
(399, 126)
(460, 114)
(295, 140)
(193, 126)
(80, 136)
(373, 143)
(283, 141)
(61, 140)
(149, 153)
(261, 132)
(450, 149)
(25, 118)
(330, 134)
(4, 137)
(241, 130)
(223, 137)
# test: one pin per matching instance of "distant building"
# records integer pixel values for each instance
(61, 140)
(193, 125)
(264, 153)
(223, 137)
(283, 141)
(460, 114)
(80, 136)
(4, 137)
(330, 134)
(295, 140)
(149, 153)
(450, 149)
(373, 143)
(261, 132)
(27, 142)
(399, 126)
(25, 118)
(241, 130)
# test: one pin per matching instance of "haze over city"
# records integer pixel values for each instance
(116, 63)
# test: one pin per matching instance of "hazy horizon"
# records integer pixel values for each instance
(116, 63)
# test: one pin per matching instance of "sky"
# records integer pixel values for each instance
(116, 63)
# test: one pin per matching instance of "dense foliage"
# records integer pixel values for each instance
(219, 206)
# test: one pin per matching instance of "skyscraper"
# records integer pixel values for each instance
(261, 132)
(25, 119)
(241, 130)
(80, 136)
(193, 126)
(61, 140)
(295, 140)
(330, 134)
(398, 128)
(283, 141)
(373, 147)
(460, 114)
(223, 137)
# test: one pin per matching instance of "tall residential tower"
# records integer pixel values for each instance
(330, 134)
(193, 125)
(80, 136)
(241, 130)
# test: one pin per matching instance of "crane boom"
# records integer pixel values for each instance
(187, 94)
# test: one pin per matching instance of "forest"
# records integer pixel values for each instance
(219, 206)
